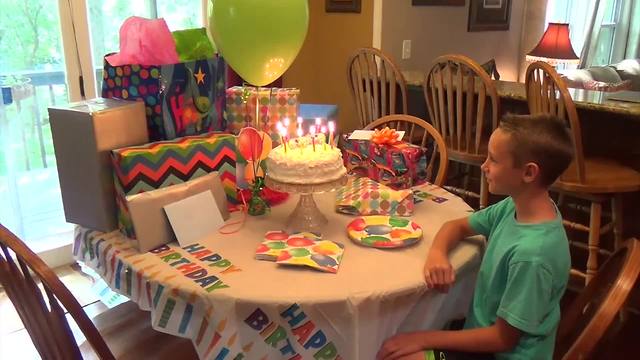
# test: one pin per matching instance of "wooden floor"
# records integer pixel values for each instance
(15, 342)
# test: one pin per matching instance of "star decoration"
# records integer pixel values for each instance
(199, 76)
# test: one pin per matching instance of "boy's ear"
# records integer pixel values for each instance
(531, 172)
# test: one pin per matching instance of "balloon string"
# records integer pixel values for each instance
(243, 209)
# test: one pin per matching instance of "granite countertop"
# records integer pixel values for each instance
(584, 99)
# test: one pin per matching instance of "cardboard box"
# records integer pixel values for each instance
(152, 228)
(84, 133)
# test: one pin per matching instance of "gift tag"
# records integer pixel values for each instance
(194, 218)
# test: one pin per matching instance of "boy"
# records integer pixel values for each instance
(525, 269)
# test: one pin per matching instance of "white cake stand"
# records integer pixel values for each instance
(306, 216)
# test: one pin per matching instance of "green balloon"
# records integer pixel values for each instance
(259, 39)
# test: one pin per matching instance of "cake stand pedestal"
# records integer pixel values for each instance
(306, 216)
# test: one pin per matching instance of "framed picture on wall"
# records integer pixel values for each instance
(437, 2)
(489, 15)
(342, 6)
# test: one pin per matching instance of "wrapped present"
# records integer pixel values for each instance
(275, 104)
(163, 163)
(364, 196)
(400, 165)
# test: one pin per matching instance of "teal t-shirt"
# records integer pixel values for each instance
(523, 275)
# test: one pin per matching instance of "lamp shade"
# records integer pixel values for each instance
(555, 46)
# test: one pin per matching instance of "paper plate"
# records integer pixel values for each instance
(384, 231)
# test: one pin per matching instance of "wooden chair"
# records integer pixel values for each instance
(121, 333)
(421, 133)
(464, 106)
(596, 180)
(588, 318)
(374, 80)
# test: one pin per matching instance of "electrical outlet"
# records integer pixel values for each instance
(406, 49)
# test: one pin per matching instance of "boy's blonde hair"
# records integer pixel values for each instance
(543, 139)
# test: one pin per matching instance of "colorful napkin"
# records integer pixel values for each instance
(363, 196)
(302, 249)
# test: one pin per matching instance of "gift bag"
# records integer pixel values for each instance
(400, 165)
(181, 99)
(364, 196)
(274, 104)
(157, 165)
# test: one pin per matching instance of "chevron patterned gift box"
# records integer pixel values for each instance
(160, 164)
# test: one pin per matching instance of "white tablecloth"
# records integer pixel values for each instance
(233, 306)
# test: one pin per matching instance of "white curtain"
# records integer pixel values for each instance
(592, 33)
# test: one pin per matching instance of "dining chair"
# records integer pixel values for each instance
(596, 180)
(375, 80)
(41, 299)
(586, 321)
(420, 133)
(464, 106)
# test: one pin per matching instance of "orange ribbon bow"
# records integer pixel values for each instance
(385, 136)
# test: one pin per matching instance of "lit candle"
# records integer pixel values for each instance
(283, 133)
(318, 123)
(332, 128)
(323, 129)
(299, 133)
(312, 131)
(286, 122)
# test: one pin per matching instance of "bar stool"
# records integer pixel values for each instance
(596, 180)
(460, 97)
(374, 80)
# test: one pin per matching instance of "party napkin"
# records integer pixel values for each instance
(301, 249)
(363, 196)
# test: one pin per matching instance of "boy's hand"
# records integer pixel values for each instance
(438, 272)
(401, 345)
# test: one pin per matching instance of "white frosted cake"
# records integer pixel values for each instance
(300, 164)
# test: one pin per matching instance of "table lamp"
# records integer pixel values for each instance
(554, 47)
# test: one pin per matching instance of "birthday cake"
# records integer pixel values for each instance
(305, 160)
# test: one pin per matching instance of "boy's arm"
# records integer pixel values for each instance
(499, 337)
(438, 272)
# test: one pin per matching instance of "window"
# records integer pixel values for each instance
(106, 16)
(606, 38)
(42, 44)
(578, 14)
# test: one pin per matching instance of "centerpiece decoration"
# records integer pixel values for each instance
(254, 146)
(306, 164)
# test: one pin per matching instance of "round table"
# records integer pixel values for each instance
(240, 305)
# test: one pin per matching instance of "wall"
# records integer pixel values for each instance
(532, 30)
(320, 70)
(438, 30)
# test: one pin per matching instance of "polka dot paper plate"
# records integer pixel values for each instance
(384, 232)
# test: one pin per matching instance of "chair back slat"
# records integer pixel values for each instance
(374, 80)
(460, 95)
(459, 107)
(415, 127)
(548, 94)
(587, 319)
(470, 89)
(44, 316)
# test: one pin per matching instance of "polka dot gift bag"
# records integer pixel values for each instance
(180, 99)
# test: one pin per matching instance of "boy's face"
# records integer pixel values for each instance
(503, 177)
